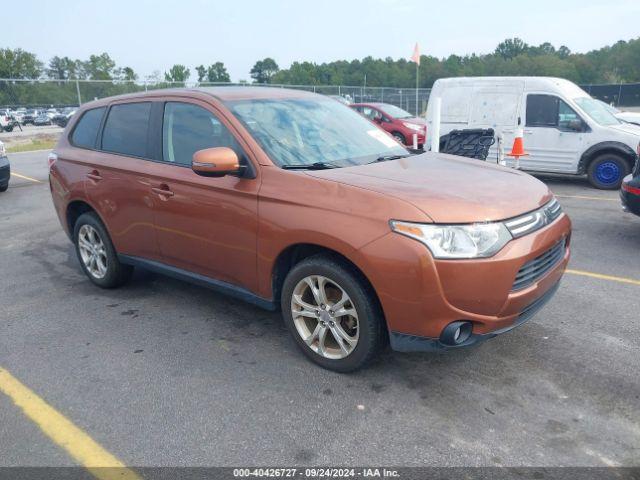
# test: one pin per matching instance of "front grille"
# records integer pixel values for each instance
(636, 169)
(530, 222)
(535, 269)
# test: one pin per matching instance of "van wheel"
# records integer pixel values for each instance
(332, 314)
(606, 171)
(97, 256)
(399, 137)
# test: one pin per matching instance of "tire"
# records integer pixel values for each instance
(114, 273)
(3, 188)
(399, 137)
(8, 128)
(606, 171)
(369, 332)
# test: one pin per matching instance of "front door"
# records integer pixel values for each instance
(553, 135)
(204, 225)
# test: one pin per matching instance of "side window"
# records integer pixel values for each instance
(568, 119)
(86, 131)
(542, 111)
(125, 130)
(371, 113)
(187, 128)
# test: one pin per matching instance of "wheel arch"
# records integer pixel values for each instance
(74, 209)
(594, 151)
(295, 253)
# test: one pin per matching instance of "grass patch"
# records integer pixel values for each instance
(33, 144)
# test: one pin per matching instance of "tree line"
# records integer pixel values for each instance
(617, 63)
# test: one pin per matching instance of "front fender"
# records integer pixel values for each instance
(601, 147)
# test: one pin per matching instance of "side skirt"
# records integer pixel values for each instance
(201, 280)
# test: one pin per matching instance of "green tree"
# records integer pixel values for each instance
(213, 73)
(511, 48)
(177, 73)
(264, 70)
(18, 63)
(99, 67)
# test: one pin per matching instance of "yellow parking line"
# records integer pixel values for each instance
(64, 433)
(604, 277)
(586, 197)
(25, 177)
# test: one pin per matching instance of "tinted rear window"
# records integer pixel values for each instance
(85, 133)
(125, 130)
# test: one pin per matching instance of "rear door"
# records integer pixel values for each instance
(205, 225)
(553, 134)
(117, 181)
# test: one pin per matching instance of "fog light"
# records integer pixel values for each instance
(456, 333)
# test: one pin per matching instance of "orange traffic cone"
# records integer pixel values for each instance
(517, 150)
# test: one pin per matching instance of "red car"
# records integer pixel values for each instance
(398, 122)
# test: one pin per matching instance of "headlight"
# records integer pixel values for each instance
(478, 240)
(413, 126)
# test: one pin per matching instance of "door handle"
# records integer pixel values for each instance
(163, 190)
(94, 175)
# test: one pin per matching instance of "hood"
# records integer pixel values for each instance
(416, 120)
(449, 189)
(627, 128)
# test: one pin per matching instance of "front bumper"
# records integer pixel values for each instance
(402, 342)
(630, 201)
(421, 296)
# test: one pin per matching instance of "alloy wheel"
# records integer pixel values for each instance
(92, 251)
(325, 317)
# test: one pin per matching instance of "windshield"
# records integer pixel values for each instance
(597, 111)
(307, 131)
(395, 112)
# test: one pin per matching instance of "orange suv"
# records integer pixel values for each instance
(293, 201)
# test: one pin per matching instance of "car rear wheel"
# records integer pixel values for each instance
(97, 256)
(332, 314)
(606, 171)
(399, 137)
(3, 188)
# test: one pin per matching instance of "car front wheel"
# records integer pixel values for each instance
(332, 313)
(607, 171)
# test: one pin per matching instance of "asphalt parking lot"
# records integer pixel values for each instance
(165, 373)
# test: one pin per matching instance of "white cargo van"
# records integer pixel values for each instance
(565, 130)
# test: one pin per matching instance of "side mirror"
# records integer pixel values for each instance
(215, 162)
(575, 125)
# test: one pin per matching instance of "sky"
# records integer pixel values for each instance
(153, 35)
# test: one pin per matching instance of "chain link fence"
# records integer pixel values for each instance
(57, 93)
(16, 93)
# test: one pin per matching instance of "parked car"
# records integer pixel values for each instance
(30, 116)
(5, 169)
(629, 117)
(6, 122)
(398, 122)
(288, 199)
(42, 119)
(565, 130)
(62, 118)
(630, 191)
(18, 115)
(51, 112)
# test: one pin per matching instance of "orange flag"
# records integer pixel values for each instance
(416, 54)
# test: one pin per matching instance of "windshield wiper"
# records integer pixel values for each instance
(384, 158)
(310, 166)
